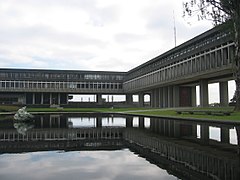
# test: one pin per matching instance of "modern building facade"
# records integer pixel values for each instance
(170, 79)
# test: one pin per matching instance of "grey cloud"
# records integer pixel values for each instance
(128, 38)
(33, 33)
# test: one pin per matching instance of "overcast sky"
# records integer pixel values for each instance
(114, 35)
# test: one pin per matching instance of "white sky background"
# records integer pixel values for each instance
(104, 35)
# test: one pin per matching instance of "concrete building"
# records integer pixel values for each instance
(170, 79)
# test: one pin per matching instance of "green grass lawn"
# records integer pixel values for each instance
(235, 116)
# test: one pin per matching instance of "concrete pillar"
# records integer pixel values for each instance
(59, 99)
(50, 98)
(67, 98)
(193, 96)
(170, 96)
(41, 98)
(99, 99)
(155, 98)
(223, 91)
(152, 98)
(161, 97)
(224, 135)
(176, 96)
(204, 101)
(165, 97)
(141, 99)
(129, 99)
(33, 98)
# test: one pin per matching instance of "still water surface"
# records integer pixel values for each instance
(103, 146)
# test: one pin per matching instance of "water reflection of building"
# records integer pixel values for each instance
(182, 147)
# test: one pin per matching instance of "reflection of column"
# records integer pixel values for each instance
(176, 129)
(194, 130)
(129, 121)
(41, 122)
(204, 93)
(99, 122)
(224, 135)
(223, 91)
(141, 122)
(204, 132)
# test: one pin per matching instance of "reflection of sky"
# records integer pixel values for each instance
(82, 121)
(114, 121)
(233, 136)
(215, 133)
(147, 122)
(103, 165)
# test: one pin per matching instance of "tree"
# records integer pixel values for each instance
(221, 11)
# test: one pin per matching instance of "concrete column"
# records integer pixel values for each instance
(170, 96)
(141, 99)
(152, 98)
(204, 101)
(41, 98)
(59, 99)
(223, 91)
(67, 98)
(176, 96)
(193, 96)
(129, 99)
(165, 97)
(224, 135)
(33, 98)
(50, 98)
(99, 99)
(155, 98)
(161, 97)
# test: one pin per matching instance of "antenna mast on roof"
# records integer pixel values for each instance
(174, 30)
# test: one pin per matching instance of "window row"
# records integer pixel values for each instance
(74, 76)
(207, 61)
(58, 85)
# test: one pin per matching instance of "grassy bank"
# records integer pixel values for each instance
(235, 116)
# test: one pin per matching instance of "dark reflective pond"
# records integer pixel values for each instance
(104, 146)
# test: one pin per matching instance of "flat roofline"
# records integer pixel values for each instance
(179, 47)
(60, 71)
